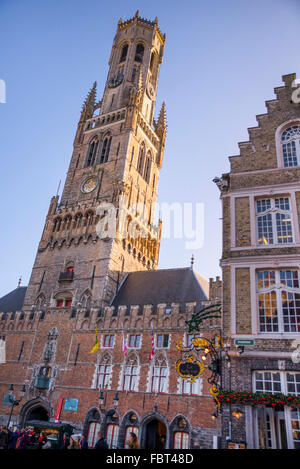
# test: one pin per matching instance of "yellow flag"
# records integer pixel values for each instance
(96, 346)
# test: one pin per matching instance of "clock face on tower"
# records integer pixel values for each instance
(89, 185)
(116, 80)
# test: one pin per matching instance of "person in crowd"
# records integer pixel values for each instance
(101, 443)
(133, 441)
(42, 439)
(13, 436)
(3, 437)
(83, 443)
(74, 444)
(66, 442)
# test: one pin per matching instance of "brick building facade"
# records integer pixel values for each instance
(86, 278)
(260, 263)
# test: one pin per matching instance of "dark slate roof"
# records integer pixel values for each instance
(13, 301)
(162, 286)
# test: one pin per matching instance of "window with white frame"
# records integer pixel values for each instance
(112, 433)
(191, 389)
(94, 428)
(162, 340)
(181, 440)
(104, 373)
(130, 374)
(134, 341)
(274, 221)
(108, 340)
(159, 375)
(278, 295)
(285, 382)
(290, 144)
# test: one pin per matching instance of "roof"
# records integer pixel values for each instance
(162, 286)
(13, 301)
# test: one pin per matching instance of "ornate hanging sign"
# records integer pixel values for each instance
(190, 368)
(202, 353)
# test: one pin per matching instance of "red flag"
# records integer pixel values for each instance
(153, 347)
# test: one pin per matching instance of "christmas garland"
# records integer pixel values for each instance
(259, 398)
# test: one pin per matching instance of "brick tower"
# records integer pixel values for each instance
(103, 225)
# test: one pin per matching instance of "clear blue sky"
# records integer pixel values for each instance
(223, 59)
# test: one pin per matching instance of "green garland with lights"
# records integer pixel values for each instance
(259, 398)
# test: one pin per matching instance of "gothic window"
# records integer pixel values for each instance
(141, 159)
(104, 372)
(181, 440)
(147, 171)
(112, 433)
(94, 428)
(139, 52)
(124, 53)
(152, 61)
(290, 144)
(278, 296)
(274, 221)
(39, 302)
(130, 374)
(105, 149)
(63, 299)
(85, 300)
(92, 152)
(159, 375)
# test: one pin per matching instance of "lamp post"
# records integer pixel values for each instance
(14, 402)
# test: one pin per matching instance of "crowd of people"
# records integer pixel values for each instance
(27, 438)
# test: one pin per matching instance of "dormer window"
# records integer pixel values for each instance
(290, 142)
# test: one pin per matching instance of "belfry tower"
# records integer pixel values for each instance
(103, 225)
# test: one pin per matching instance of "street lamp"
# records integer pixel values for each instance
(116, 401)
(101, 400)
(14, 402)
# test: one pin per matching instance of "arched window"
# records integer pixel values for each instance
(92, 152)
(141, 159)
(147, 170)
(94, 428)
(104, 372)
(159, 375)
(124, 53)
(290, 143)
(85, 300)
(63, 300)
(130, 373)
(152, 61)
(139, 52)
(112, 433)
(39, 302)
(105, 149)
